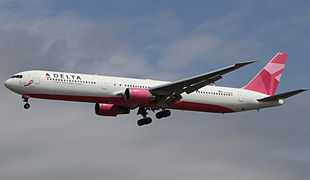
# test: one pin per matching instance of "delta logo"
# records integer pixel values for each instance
(63, 76)
(28, 83)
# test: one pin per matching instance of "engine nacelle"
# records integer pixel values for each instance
(138, 96)
(110, 110)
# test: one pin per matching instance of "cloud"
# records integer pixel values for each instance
(183, 52)
(64, 140)
(66, 43)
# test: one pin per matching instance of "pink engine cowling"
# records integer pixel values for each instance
(110, 109)
(138, 96)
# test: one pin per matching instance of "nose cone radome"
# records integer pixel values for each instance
(6, 83)
(9, 84)
(13, 85)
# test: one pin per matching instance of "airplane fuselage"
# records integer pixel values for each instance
(108, 89)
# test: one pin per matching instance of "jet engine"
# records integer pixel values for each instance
(138, 96)
(110, 109)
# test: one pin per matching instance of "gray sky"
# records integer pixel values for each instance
(160, 40)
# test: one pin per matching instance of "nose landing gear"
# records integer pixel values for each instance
(26, 101)
(27, 106)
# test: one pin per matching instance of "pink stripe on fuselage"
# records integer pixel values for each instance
(191, 106)
(182, 105)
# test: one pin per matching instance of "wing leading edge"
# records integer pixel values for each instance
(194, 83)
(172, 91)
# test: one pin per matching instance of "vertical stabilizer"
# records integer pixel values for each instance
(268, 79)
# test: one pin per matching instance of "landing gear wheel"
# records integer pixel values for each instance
(159, 115)
(163, 114)
(26, 100)
(148, 120)
(144, 121)
(27, 106)
(140, 122)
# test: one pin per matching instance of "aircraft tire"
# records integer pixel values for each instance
(144, 121)
(27, 106)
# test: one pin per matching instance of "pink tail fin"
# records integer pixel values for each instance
(268, 79)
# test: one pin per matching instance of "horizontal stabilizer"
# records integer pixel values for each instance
(282, 95)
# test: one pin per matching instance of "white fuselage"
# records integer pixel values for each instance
(104, 89)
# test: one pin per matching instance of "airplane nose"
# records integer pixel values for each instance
(9, 84)
(6, 83)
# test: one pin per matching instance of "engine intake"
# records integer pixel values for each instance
(138, 96)
(110, 109)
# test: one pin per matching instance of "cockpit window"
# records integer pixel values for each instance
(17, 76)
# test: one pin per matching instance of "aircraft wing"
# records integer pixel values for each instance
(173, 90)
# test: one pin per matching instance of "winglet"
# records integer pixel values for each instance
(239, 65)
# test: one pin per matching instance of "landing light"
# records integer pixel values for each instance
(281, 101)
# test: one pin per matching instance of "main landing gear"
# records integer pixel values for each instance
(163, 114)
(26, 101)
(145, 120)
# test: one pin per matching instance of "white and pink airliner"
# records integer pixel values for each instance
(113, 96)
